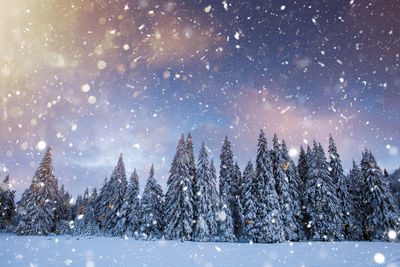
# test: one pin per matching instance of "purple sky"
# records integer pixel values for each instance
(94, 79)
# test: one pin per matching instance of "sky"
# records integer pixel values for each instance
(96, 78)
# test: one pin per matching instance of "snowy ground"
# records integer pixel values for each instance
(102, 251)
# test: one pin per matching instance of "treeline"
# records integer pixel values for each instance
(273, 200)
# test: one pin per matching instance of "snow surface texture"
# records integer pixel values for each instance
(103, 251)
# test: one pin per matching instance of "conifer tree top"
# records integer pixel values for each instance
(120, 168)
(275, 142)
(134, 175)
(189, 138)
(261, 138)
(151, 173)
(6, 183)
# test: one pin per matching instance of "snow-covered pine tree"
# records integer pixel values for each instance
(354, 183)
(92, 227)
(23, 203)
(282, 188)
(237, 214)
(224, 216)
(192, 163)
(229, 184)
(214, 228)
(226, 233)
(152, 219)
(40, 201)
(339, 181)
(268, 224)
(7, 206)
(134, 215)
(296, 189)
(302, 166)
(380, 212)
(248, 201)
(321, 203)
(179, 197)
(394, 183)
(309, 156)
(226, 171)
(116, 189)
(65, 203)
(62, 225)
(81, 211)
(206, 200)
(192, 168)
(77, 203)
(130, 210)
(100, 205)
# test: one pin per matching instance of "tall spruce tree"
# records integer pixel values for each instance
(248, 201)
(206, 200)
(101, 204)
(302, 166)
(268, 223)
(286, 201)
(179, 197)
(303, 169)
(65, 203)
(224, 216)
(40, 202)
(226, 232)
(128, 222)
(309, 157)
(192, 168)
(152, 215)
(192, 163)
(339, 181)
(226, 170)
(296, 189)
(237, 207)
(394, 183)
(229, 184)
(7, 206)
(62, 224)
(355, 185)
(82, 204)
(114, 199)
(321, 203)
(215, 193)
(380, 212)
(91, 225)
(135, 209)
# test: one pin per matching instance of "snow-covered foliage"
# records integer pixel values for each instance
(179, 213)
(268, 225)
(339, 182)
(286, 201)
(40, 204)
(322, 207)
(296, 189)
(114, 200)
(229, 182)
(206, 200)
(152, 214)
(273, 202)
(354, 184)
(380, 212)
(248, 201)
(7, 206)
